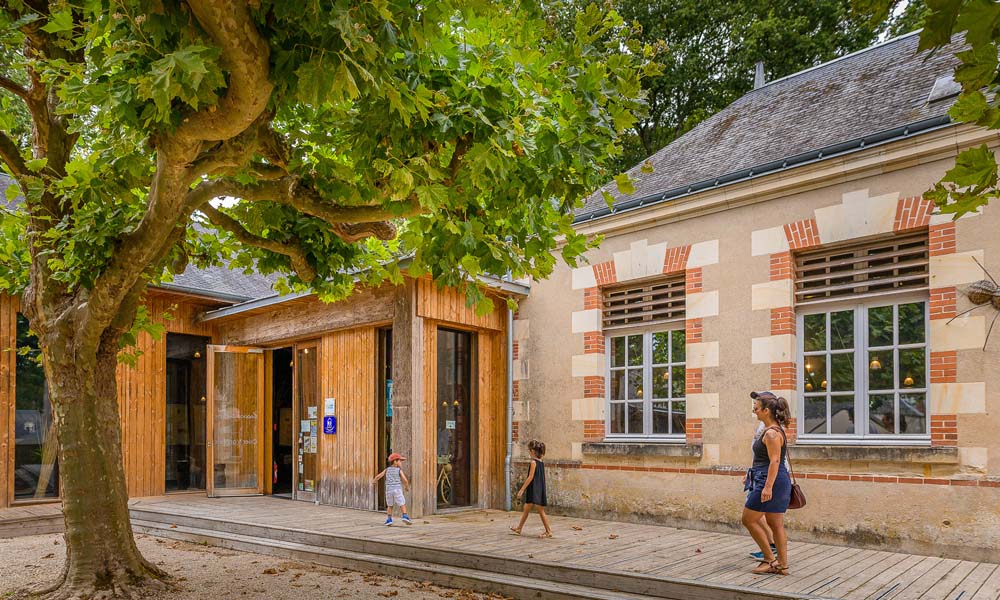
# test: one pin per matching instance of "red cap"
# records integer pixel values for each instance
(396, 456)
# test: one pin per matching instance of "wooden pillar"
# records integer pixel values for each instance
(8, 354)
(408, 363)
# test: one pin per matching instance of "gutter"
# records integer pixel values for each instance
(507, 466)
(203, 293)
(777, 166)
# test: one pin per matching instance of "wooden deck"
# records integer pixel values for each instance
(31, 519)
(642, 552)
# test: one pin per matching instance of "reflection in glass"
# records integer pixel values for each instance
(618, 352)
(661, 348)
(679, 345)
(912, 368)
(661, 417)
(815, 414)
(881, 414)
(235, 421)
(618, 385)
(842, 372)
(36, 472)
(913, 413)
(635, 384)
(679, 417)
(842, 415)
(618, 417)
(661, 382)
(911, 323)
(678, 384)
(635, 350)
(880, 326)
(635, 417)
(814, 373)
(842, 330)
(880, 370)
(815, 332)
(453, 454)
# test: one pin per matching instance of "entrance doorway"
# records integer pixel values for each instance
(235, 448)
(454, 418)
(186, 415)
(383, 415)
(305, 408)
(283, 429)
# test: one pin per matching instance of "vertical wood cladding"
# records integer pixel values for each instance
(8, 344)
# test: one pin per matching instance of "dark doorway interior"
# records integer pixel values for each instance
(282, 451)
(454, 418)
(384, 414)
(186, 425)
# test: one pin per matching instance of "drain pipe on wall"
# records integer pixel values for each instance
(508, 472)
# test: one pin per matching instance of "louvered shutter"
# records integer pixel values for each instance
(873, 268)
(649, 303)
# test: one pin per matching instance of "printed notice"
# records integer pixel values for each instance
(329, 407)
(304, 426)
(312, 412)
(449, 424)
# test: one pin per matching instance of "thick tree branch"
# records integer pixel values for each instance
(14, 88)
(11, 156)
(292, 250)
(246, 56)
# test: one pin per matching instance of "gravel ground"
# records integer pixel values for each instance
(211, 573)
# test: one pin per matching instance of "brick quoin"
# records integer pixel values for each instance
(692, 432)
(515, 431)
(593, 342)
(592, 298)
(604, 273)
(782, 321)
(912, 213)
(593, 386)
(693, 331)
(944, 302)
(692, 281)
(802, 234)
(516, 391)
(675, 259)
(944, 367)
(593, 431)
(783, 376)
(693, 381)
(781, 266)
(941, 239)
(944, 430)
(515, 351)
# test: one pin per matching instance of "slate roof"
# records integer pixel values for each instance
(860, 95)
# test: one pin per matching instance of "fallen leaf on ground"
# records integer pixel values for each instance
(577, 528)
(50, 555)
(697, 551)
(270, 571)
(613, 536)
(389, 594)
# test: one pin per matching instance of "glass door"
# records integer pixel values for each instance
(454, 418)
(236, 421)
(307, 418)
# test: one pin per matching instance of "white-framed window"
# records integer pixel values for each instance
(863, 370)
(646, 395)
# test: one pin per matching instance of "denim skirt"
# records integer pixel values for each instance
(781, 492)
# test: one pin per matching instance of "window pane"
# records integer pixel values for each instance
(880, 326)
(679, 417)
(635, 384)
(881, 415)
(618, 385)
(842, 372)
(661, 417)
(661, 348)
(842, 414)
(842, 330)
(635, 350)
(911, 323)
(661, 382)
(880, 370)
(36, 470)
(635, 417)
(618, 352)
(912, 368)
(815, 409)
(912, 413)
(815, 334)
(679, 385)
(814, 373)
(679, 342)
(618, 418)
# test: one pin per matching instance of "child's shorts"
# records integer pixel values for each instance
(394, 498)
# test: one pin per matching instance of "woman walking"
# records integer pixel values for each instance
(534, 485)
(769, 483)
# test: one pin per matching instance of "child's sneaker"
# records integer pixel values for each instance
(406, 519)
(388, 522)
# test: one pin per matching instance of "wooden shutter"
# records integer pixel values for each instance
(876, 267)
(651, 303)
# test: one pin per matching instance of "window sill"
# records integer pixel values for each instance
(668, 449)
(890, 454)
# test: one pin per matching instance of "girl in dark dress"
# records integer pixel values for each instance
(534, 487)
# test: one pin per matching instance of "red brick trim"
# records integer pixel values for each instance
(515, 350)
(802, 234)
(593, 430)
(782, 321)
(592, 298)
(792, 430)
(692, 280)
(944, 430)
(735, 472)
(783, 376)
(944, 302)
(693, 381)
(912, 213)
(593, 342)
(675, 259)
(693, 332)
(781, 266)
(604, 273)
(593, 386)
(941, 239)
(692, 432)
(515, 431)
(944, 366)
(516, 391)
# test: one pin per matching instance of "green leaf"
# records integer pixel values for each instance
(970, 107)
(974, 167)
(939, 23)
(36, 164)
(58, 22)
(625, 184)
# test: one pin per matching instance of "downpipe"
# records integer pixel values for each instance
(507, 473)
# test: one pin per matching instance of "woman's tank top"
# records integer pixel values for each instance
(760, 456)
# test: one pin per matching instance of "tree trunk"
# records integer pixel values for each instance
(102, 560)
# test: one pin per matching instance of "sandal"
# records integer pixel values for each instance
(547, 534)
(773, 568)
(515, 531)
